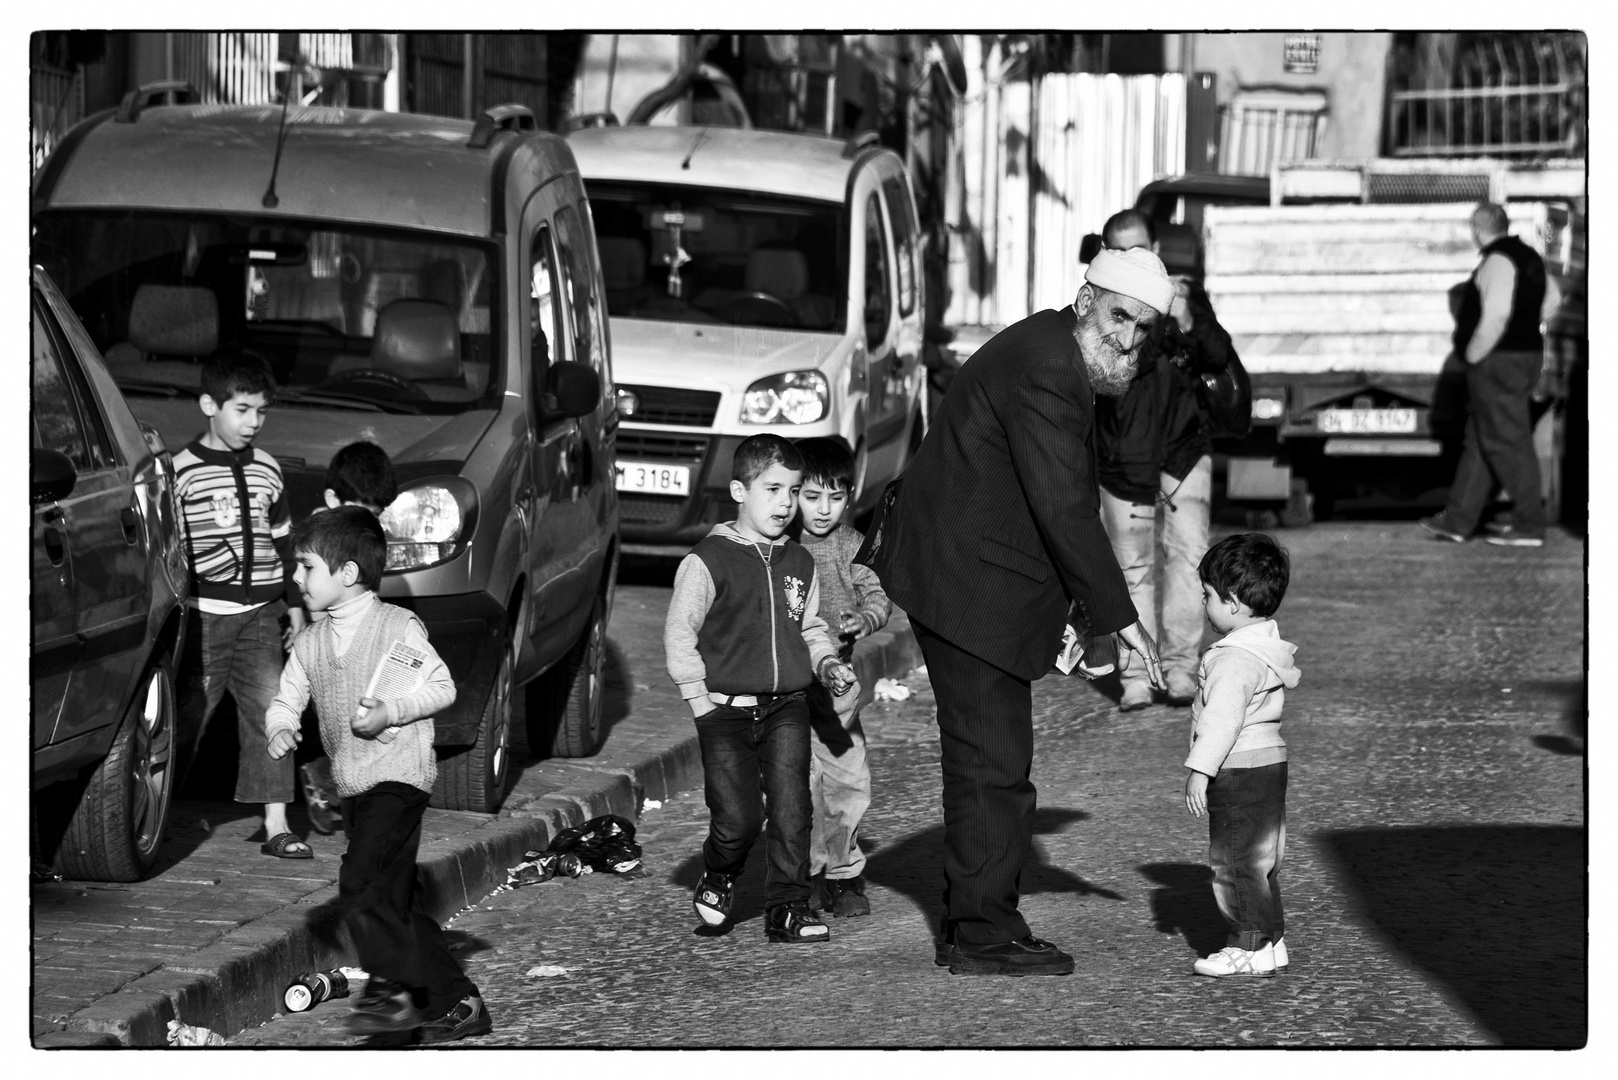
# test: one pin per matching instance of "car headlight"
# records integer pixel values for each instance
(795, 397)
(429, 523)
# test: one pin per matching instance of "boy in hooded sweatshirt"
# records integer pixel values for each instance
(743, 641)
(1237, 767)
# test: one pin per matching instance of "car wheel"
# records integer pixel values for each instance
(114, 832)
(578, 730)
(474, 777)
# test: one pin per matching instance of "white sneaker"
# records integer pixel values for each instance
(1260, 963)
(1280, 956)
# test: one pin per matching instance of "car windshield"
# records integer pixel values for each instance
(346, 318)
(692, 254)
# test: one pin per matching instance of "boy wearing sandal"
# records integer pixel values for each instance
(384, 766)
(744, 640)
(234, 511)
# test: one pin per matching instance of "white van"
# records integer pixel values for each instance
(756, 281)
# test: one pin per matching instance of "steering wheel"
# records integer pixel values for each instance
(757, 306)
(402, 389)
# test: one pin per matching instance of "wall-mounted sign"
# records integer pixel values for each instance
(1302, 54)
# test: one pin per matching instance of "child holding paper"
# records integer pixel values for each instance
(415, 984)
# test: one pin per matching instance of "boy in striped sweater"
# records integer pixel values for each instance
(233, 506)
(382, 758)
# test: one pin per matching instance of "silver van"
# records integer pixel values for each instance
(757, 281)
(429, 284)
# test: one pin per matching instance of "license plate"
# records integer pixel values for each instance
(1367, 421)
(654, 479)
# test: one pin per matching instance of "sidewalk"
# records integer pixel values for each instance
(214, 937)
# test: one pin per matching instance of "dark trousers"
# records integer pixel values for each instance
(382, 907)
(240, 653)
(1247, 840)
(1498, 447)
(986, 731)
(755, 772)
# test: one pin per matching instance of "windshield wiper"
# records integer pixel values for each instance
(151, 389)
(337, 399)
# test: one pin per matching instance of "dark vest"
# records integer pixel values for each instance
(1522, 332)
(751, 641)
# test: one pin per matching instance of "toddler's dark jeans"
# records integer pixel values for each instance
(1247, 839)
(755, 768)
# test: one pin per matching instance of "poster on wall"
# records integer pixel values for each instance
(1301, 55)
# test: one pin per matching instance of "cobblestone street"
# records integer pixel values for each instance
(1434, 875)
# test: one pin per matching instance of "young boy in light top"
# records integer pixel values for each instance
(415, 984)
(1237, 768)
(856, 607)
(743, 641)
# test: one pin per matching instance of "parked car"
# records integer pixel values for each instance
(429, 284)
(107, 591)
(757, 281)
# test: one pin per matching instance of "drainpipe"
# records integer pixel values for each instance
(168, 56)
(466, 76)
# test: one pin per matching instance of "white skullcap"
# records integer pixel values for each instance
(1133, 272)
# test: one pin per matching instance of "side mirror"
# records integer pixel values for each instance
(572, 388)
(1089, 248)
(53, 475)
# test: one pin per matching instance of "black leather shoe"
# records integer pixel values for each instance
(945, 943)
(1030, 956)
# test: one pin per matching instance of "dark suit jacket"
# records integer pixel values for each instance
(996, 526)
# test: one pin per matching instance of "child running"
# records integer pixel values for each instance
(1238, 760)
(233, 505)
(414, 983)
(360, 474)
(856, 607)
(743, 641)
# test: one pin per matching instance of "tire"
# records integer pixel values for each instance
(579, 731)
(475, 777)
(115, 830)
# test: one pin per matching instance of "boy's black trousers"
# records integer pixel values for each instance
(382, 907)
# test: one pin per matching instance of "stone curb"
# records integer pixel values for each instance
(237, 982)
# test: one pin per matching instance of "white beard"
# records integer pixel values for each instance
(1111, 370)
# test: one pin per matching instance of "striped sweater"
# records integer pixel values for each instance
(239, 561)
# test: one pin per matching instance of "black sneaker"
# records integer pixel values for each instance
(1030, 956)
(1440, 527)
(848, 897)
(468, 1017)
(794, 923)
(714, 896)
(383, 1006)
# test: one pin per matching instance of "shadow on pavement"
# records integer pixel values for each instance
(1183, 903)
(1575, 696)
(1498, 912)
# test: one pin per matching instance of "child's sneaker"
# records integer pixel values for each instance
(847, 897)
(1280, 956)
(794, 923)
(1229, 961)
(467, 1017)
(714, 896)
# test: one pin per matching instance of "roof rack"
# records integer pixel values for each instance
(130, 108)
(590, 120)
(497, 118)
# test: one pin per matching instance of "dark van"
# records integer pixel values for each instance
(429, 284)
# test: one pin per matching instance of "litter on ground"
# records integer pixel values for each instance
(187, 1035)
(547, 971)
(891, 690)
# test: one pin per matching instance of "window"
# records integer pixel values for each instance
(547, 328)
(57, 424)
(878, 301)
(904, 240)
(584, 286)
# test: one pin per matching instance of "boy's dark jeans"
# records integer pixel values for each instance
(1247, 839)
(756, 760)
(240, 653)
(382, 906)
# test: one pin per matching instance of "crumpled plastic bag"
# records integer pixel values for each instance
(891, 690)
(187, 1035)
(604, 844)
(547, 971)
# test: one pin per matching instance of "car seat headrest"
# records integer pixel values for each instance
(174, 320)
(781, 272)
(417, 339)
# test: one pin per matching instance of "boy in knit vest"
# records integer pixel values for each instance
(1237, 768)
(384, 766)
(234, 510)
(360, 474)
(856, 607)
(743, 641)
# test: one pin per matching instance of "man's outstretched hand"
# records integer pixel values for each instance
(1136, 639)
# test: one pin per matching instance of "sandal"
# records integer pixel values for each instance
(281, 846)
(794, 923)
